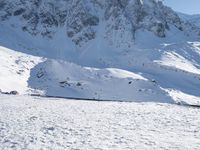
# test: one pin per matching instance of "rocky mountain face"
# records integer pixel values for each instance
(82, 18)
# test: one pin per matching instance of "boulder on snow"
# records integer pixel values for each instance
(14, 93)
(40, 74)
(78, 84)
(64, 83)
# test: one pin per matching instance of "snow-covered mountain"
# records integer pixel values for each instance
(135, 50)
(195, 19)
(81, 19)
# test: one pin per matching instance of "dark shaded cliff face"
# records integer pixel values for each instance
(81, 18)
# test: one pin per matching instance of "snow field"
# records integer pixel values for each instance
(42, 123)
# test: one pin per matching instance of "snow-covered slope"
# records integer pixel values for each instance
(69, 80)
(117, 50)
(15, 70)
(195, 19)
(34, 75)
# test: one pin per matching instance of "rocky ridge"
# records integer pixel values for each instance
(82, 18)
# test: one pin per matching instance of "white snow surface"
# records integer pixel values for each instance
(40, 123)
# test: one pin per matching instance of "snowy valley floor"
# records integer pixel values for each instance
(41, 123)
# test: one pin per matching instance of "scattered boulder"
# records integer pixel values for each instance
(9, 93)
(40, 74)
(154, 81)
(78, 84)
(64, 83)
(14, 93)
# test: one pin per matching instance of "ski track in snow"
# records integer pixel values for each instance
(41, 123)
